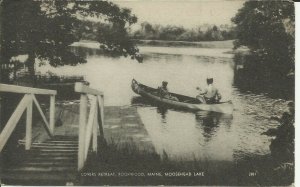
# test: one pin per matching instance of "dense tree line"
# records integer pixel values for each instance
(205, 32)
(148, 31)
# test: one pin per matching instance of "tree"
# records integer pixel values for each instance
(45, 29)
(170, 32)
(265, 27)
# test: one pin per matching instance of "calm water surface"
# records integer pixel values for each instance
(183, 135)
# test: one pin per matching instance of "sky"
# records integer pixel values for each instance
(188, 13)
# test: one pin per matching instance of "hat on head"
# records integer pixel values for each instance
(209, 80)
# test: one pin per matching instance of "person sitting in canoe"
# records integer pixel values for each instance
(210, 94)
(163, 92)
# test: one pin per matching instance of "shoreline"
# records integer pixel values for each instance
(210, 45)
(226, 44)
(219, 48)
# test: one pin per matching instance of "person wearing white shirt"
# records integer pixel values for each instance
(210, 94)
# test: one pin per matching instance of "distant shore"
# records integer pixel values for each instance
(228, 44)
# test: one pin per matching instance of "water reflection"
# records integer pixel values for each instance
(202, 135)
(140, 101)
(210, 121)
(206, 120)
(163, 111)
(186, 135)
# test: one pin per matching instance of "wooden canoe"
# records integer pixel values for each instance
(184, 102)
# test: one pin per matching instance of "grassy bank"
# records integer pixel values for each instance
(126, 164)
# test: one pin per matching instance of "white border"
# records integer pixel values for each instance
(297, 79)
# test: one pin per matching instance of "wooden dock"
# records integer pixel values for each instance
(54, 160)
(58, 159)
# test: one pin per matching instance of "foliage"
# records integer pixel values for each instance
(147, 31)
(114, 38)
(128, 157)
(45, 29)
(172, 32)
(267, 28)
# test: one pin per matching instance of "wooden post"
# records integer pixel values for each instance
(95, 127)
(101, 107)
(52, 113)
(28, 136)
(102, 113)
(102, 110)
(82, 124)
(89, 127)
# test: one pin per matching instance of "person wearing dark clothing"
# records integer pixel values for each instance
(163, 89)
(164, 92)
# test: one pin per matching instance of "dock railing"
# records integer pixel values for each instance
(26, 104)
(89, 127)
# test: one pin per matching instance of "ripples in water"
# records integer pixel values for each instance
(178, 133)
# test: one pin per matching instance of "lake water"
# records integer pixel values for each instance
(184, 135)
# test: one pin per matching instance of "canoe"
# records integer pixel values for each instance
(184, 102)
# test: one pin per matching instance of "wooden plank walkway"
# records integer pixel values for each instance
(121, 124)
(38, 163)
(53, 162)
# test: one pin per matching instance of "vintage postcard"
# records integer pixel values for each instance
(139, 93)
